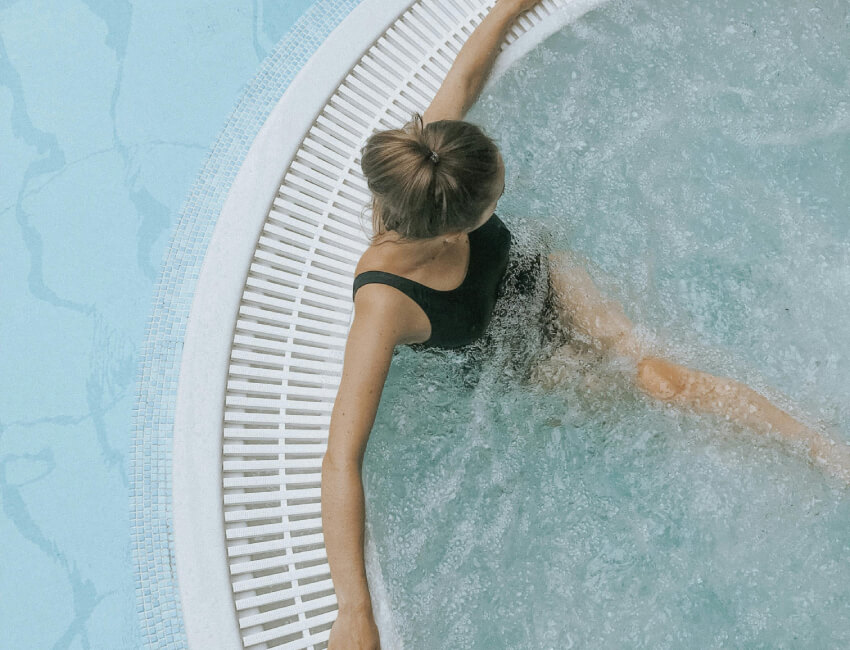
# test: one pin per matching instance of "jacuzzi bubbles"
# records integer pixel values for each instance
(697, 154)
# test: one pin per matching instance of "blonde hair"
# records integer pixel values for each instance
(429, 179)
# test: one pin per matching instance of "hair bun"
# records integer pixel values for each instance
(431, 179)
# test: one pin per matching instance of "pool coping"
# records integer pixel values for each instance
(158, 603)
(199, 542)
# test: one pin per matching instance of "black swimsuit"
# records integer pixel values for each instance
(461, 315)
(507, 283)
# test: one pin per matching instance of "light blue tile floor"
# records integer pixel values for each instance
(116, 152)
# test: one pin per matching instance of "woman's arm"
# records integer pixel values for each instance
(375, 330)
(470, 69)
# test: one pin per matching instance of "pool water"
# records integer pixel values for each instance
(696, 153)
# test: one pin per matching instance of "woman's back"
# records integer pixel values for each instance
(458, 316)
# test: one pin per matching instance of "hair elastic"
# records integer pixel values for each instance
(434, 157)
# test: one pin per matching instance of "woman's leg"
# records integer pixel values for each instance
(706, 393)
(583, 308)
(604, 321)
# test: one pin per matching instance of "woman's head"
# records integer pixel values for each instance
(420, 195)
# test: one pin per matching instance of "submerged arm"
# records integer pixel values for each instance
(470, 69)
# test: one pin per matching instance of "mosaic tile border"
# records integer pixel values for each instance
(157, 594)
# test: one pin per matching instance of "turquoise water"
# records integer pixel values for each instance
(697, 154)
(108, 110)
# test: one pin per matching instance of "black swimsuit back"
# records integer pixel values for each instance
(461, 315)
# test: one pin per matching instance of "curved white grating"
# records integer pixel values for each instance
(254, 403)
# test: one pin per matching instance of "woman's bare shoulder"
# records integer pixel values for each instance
(366, 261)
(383, 308)
(380, 303)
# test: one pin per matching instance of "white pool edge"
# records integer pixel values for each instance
(200, 551)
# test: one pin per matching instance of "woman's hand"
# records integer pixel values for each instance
(354, 630)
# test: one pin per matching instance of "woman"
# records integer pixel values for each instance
(431, 278)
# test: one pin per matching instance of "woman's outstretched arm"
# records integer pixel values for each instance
(470, 69)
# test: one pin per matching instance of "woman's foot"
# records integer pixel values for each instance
(705, 393)
(833, 457)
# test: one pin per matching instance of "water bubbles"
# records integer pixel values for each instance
(714, 202)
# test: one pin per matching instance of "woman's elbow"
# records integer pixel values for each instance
(341, 462)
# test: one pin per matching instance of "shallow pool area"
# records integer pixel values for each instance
(696, 153)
